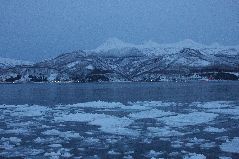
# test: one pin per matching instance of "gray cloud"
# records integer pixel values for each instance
(32, 29)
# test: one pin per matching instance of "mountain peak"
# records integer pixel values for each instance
(188, 43)
(117, 44)
(114, 40)
(150, 44)
(113, 43)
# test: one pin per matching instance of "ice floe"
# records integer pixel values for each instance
(214, 104)
(203, 143)
(214, 130)
(153, 153)
(40, 140)
(128, 157)
(55, 145)
(26, 110)
(107, 123)
(220, 107)
(22, 152)
(98, 104)
(234, 111)
(194, 118)
(113, 152)
(66, 134)
(61, 153)
(231, 145)
(9, 143)
(14, 140)
(208, 145)
(100, 125)
(23, 131)
(91, 141)
(224, 157)
(115, 125)
(152, 104)
(163, 132)
(153, 113)
(79, 117)
(177, 144)
(194, 156)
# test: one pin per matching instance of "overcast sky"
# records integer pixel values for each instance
(38, 29)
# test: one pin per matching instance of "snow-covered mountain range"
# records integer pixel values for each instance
(114, 45)
(7, 62)
(116, 60)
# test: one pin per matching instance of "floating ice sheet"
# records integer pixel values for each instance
(214, 130)
(104, 125)
(153, 113)
(163, 132)
(194, 156)
(231, 146)
(213, 104)
(194, 118)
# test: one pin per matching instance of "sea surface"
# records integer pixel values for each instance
(195, 119)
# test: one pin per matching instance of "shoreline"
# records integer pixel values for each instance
(110, 82)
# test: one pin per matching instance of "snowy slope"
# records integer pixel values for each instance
(7, 62)
(114, 46)
(116, 60)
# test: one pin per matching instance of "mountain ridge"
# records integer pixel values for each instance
(7, 62)
(115, 43)
(131, 63)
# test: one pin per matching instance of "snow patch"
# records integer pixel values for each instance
(70, 65)
(7, 62)
(52, 77)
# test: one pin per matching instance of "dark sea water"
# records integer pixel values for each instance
(120, 120)
(51, 94)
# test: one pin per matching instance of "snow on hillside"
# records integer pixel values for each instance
(7, 62)
(118, 47)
